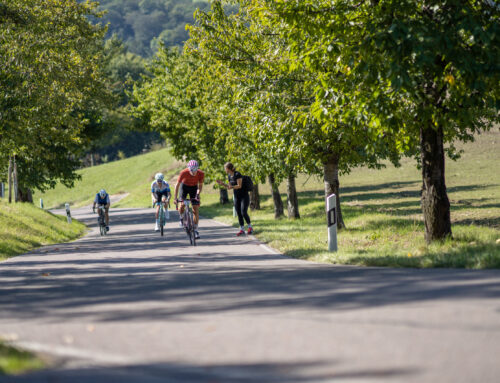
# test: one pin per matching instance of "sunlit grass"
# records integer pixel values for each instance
(381, 210)
(14, 361)
(132, 175)
(24, 227)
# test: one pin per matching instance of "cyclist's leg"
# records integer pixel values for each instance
(106, 212)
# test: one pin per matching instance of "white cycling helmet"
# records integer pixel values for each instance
(102, 193)
(159, 177)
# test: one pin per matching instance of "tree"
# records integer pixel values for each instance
(425, 72)
(50, 72)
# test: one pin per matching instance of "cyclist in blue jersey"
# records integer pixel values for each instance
(160, 191)
(102, 198)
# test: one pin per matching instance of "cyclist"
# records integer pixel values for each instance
(190, 182)
(102, 199)
(160, 191)
(241, 197)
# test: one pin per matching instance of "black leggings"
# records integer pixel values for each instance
(241, 204)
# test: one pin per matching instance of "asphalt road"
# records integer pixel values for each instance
(133, 307)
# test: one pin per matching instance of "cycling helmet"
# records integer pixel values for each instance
(102, 193)
(159, 177)
(193, 165)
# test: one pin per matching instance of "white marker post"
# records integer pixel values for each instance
(331, 214)
(68, 213)
(41, 203)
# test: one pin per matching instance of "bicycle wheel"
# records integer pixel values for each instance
(162, 220)
(192, 236)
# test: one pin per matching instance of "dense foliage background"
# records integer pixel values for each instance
(141, 24)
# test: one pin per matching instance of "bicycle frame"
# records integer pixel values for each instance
(102, 219)
(161, 215)
(188, 219)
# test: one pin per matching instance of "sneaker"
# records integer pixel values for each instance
(107, 228)
(196, 234)
(181, 224)
(157, 227)
(250, 231)
(241, 232)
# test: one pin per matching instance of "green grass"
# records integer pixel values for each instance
(24, 227)
(132, 175)
(381, 209)
(14, 361)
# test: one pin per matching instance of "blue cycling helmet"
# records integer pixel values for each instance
(159, 177)
(102, 193)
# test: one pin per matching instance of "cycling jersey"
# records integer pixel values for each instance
(101, 201)
(186, 178)
(161, 187)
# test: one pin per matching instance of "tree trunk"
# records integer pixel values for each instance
(16, 185)
(24, 195)
(332, 184)
(92, 163)
(278, 203)
(10, 179)
(434, 200)
(255, 197)
(292, 200)
(223, 196)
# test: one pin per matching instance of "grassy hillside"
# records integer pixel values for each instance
(132, 175)
(24, 227)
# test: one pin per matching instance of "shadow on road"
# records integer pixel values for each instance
(169, 373)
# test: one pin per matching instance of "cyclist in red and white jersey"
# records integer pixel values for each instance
(190, 183)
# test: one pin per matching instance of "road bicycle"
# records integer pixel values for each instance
(188, 221)
(162, 213)
(101, 210)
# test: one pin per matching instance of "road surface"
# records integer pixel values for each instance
(133, 307)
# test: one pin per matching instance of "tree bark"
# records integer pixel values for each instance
(278, 203)
(292, 201)
(255, 198)
(223, 196)
(16, 185)
(434, 200)
(24, 195)
(332, 184)
(10, 179)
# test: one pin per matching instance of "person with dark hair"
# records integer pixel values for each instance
(241, 197)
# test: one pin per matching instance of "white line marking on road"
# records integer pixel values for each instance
(269, 249)
(66, 351)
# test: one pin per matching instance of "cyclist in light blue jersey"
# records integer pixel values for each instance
(102, 198)
(160, 191)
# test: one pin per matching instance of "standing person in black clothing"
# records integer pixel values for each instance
(241, 197)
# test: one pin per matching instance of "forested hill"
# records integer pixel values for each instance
(139, 22)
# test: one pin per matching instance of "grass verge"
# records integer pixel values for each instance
(24, 227)
(14, 361)
(381, 210)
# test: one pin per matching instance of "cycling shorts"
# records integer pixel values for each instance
(191, 191)
(160, 194)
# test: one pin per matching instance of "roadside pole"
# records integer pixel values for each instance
(331, 214)
(68, 213)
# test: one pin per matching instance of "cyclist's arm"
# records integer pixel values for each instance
(239, 183)
(176, 192)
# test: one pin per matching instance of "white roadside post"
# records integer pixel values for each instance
(41, 203)
(331, 214)
(68, 213)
